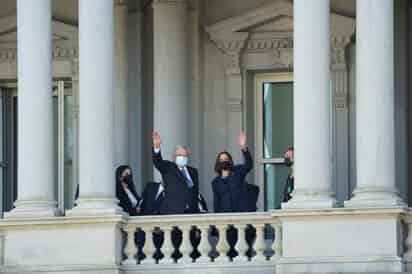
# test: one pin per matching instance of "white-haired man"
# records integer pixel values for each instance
(180, 180)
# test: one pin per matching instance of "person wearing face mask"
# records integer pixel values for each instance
(290, 181)
(180, 181)
(229, 187)
(126, 193)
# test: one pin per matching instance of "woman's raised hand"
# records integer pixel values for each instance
(242, 140)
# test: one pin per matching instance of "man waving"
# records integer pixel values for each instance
(180, 180)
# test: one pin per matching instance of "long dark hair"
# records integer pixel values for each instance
(119, 172)
(217, 170)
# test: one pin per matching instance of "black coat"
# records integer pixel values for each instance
(151, 205)
(252, 197)
(124, 201)
(230, 194)
(178, 198)
(288, 189)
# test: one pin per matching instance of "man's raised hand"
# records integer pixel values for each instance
(156, 140)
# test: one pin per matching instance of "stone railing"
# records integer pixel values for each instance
(205, 238)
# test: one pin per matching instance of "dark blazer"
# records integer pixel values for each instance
(252, 197)
(178, 198)
(289, 187)
(230, 193)
(124, 201)
(151, 205)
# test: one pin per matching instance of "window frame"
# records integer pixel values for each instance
(261, 161)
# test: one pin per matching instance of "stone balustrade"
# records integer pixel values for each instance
(206, 238)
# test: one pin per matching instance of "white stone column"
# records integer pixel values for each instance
(171, 73)
(121, 109)
(375, 146)
(312, 105)
(96, 121)
(36, 196)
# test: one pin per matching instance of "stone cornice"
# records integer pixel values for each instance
(251, 18)
(120, 2)
(9, 55)
(233, 43)
(236, 35)
(282, 48)
(156, 2)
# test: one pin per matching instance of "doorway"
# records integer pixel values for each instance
(273, 133)
(63, 145)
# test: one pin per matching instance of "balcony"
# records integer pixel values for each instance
(282, 241)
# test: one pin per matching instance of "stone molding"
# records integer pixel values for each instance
(10, 55)
(156, 2)
(235, 36)
(65, 38)
(120, 2)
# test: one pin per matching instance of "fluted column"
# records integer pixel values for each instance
(121, 109)
(96, 134)
(36, 183)
(171, 73)
(312, 105)
(375, 149)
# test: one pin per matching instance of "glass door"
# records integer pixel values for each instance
(275, 133)
(62, 145)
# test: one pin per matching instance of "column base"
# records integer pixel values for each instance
(33, 209)
(96, 207)
(375, 197)
(310, 200)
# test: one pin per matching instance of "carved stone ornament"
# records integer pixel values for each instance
(270, 29)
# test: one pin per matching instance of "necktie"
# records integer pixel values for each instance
(187, 177)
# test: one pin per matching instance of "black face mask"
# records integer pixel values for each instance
(225, 165)
(128, 179)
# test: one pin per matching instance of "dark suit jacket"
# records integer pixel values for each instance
(289, 186)
(252, 195)
(178, 198)
(230, 193)
(151, 205)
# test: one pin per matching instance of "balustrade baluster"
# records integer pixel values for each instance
(204, 246)
(149, 248)
(130, 249)
(222, 245)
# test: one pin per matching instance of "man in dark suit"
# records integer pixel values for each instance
(180, 180)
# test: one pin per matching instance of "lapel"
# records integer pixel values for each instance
(180, 173)
(192, 174)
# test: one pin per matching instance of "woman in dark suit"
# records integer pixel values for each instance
(230, 190)
(129, 200)
(229, 187)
